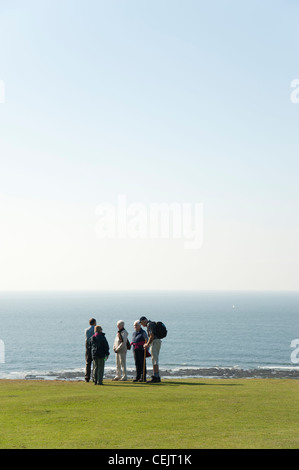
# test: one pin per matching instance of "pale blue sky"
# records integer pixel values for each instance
(185, 101)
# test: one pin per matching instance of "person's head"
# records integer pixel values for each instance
(120, 324)
(98, 329)
(92, 321)
(143, 321)
(137, 325)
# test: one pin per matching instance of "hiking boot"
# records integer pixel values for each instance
(155, 379)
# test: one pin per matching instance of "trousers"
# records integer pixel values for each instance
(139, 359)
(88, 362)
(121, 365)
(98, 370)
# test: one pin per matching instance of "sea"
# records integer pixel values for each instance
(223, 334)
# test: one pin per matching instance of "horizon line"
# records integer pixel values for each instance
(140, 290)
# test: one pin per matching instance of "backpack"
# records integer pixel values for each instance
(161, 330)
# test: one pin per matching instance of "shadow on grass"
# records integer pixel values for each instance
(198, 384)
(167, 382)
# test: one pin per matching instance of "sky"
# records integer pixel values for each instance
(160, 102)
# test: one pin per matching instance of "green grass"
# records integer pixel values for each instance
(176, 414)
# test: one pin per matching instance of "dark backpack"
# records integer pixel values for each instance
(161, 331)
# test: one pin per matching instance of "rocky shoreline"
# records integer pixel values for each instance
(212, 372)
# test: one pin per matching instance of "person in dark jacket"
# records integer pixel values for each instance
(139, 337)
(99, 352)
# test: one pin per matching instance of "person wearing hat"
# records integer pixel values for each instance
(154, 344)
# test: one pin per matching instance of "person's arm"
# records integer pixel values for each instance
(151, 339)
(91, 345)
(106, 346)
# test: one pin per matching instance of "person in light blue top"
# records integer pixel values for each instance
(88, 359)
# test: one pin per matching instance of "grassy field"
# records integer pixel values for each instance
(176, 414)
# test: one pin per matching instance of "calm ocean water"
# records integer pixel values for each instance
(208, 332)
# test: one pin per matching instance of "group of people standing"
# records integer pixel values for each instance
(97, 350)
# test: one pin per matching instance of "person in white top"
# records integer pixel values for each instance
(120, 349)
